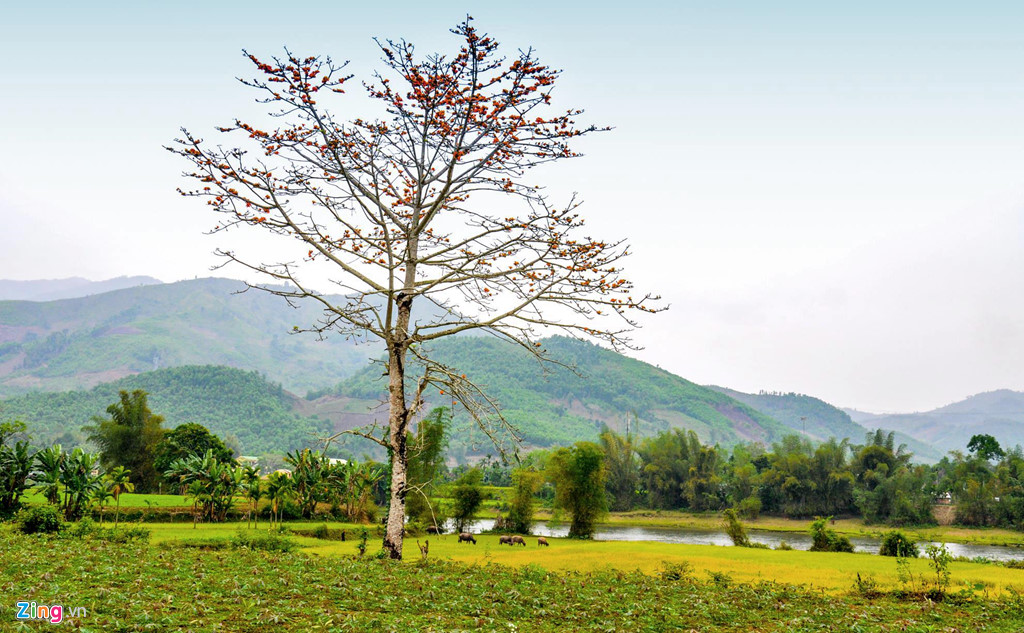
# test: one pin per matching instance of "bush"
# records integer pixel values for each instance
(896, 543)
(125, 535)
(826, 539)
(264, 541)
(784, 546)
(82, 528)
(676, 571)
(39, 520)
(749, 508)
(735, 529)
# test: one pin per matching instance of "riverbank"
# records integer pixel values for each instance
(848, 527)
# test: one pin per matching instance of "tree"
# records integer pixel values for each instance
(15, 467)
(253, 491)
(428, 207)
(119, 481)
(525, 483)
(129, 438)
(623, 469)
(985, 446)
(426, 461)
(79, 479)
(187, 440)
(100, 497)
(47, 475)
(578, 475)
(467, 496)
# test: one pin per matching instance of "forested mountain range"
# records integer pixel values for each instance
(135, 337)
(81, 342)
(998, 413)
(820, 420)
(53, 289)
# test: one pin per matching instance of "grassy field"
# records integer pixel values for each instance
(128, 500)
(830, 572)
(163, 586)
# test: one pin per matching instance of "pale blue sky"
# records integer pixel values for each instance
(830, 196)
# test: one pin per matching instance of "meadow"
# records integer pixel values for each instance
(165, 585)
(818, 571)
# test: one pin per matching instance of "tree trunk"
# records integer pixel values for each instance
(398, 421)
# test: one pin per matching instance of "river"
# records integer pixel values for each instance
(796, 540)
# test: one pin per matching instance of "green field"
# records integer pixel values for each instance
(164, 585)
(834, 573)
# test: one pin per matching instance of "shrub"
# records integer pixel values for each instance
(940, 559)
(125, 535)
(826, 539)
(39, 520)
(749, 508)
(735, 529)
(82, 528)
(676, 571)
(896, 543)
(264, 541)
(783, 545)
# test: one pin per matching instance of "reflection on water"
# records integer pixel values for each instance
(796, 540)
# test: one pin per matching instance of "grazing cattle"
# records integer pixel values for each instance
(433, 529)
(543, 541)
(518, 540)
(466, 537)
(504, 540)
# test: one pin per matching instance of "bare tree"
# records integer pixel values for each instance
(384, 204)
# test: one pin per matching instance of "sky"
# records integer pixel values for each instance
(830, 196)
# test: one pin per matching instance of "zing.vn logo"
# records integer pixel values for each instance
(54, 613)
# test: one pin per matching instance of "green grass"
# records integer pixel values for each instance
(129, 500)
(134, 587)
(833, 573)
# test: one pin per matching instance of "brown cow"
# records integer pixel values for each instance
(518, 540)
(504, 540)
(466, 537)
(543, 541)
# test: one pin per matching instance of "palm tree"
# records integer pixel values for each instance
(119, 483)
(279, 487)
(253, 491)
(100, 497)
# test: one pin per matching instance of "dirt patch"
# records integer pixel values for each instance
(122, 329)
(10, 333)
(944, 514)
(744, 426)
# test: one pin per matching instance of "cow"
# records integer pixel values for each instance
(504, 540)
(433, 529)
(543, 541)
(518, 540)
(466, 537)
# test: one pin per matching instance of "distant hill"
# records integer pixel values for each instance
(260, 413)
(82, 342)
(820, 420)
(559, 407)
(70, 288)
(997, 413)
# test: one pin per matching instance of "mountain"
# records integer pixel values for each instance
(70, 288)
(997, 413)
(81, 342)
(820, 420)
(558, 406)
(260, 413)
